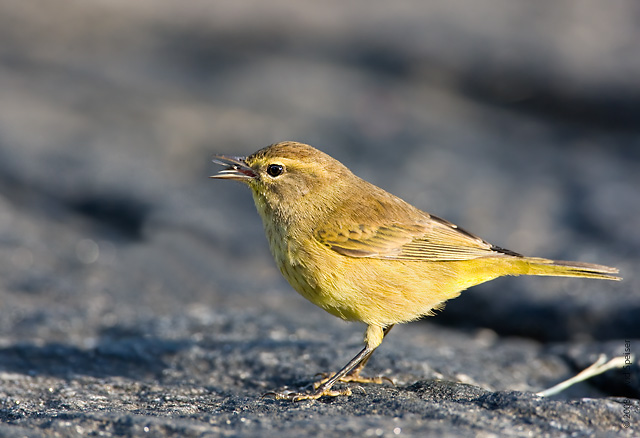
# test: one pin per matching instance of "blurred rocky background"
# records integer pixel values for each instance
(138, 296)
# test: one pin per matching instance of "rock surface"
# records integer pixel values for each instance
(137, 297)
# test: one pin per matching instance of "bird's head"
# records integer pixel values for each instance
(288, 176)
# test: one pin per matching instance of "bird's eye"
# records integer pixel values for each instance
(275, 169)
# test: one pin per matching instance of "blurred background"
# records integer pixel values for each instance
(517, 121)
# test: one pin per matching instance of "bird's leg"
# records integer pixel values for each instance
(354, 375)
(373, 338)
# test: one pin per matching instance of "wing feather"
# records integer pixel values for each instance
(429, 239)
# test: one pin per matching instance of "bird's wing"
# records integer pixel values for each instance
(430, 239)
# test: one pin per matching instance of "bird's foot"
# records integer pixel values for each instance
(313, 395)
(352, 378)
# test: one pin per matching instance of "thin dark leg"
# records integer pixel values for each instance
(356, 370)
(326, 386)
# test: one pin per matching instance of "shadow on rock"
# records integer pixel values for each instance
(133, 358)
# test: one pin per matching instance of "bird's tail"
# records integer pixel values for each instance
(560, 268)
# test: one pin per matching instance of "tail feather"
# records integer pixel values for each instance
(561, 268)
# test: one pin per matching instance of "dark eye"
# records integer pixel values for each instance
(275, 170)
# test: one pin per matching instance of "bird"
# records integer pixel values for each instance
(363, 254)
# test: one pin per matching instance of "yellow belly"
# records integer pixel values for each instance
(377, 291)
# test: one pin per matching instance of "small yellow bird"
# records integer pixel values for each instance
(363, 254)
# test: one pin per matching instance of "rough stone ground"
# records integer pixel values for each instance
(137, 297)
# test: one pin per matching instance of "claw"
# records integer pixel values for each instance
(388, 379)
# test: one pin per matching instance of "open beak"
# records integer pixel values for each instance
(236, 168)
